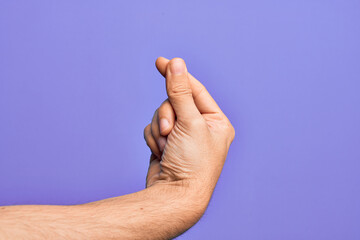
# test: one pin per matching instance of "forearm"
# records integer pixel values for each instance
(159, 212)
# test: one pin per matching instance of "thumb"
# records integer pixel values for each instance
(179, 90)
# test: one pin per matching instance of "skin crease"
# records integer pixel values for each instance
(189, 137)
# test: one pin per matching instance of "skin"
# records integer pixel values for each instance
(189, 137)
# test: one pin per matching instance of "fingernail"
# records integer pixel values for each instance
(161, 143)
(164, 124)
(177, 66)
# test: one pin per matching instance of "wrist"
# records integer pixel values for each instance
(187, 194)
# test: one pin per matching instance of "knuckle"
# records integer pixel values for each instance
(155, 115)
(179, 90)
(227, 129)
(146, 130)
(197, 123)
(154, 128)
(230, 131)
(163, 107)
(166, 111)
(165, 104)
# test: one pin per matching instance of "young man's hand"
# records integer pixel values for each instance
(189, 138)
(191, 150)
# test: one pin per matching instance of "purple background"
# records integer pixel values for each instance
(78, 85)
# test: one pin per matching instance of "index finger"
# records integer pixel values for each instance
(202, 98)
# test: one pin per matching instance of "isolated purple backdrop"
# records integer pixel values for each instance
(78, 85)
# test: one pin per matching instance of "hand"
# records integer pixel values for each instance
(192, 149)
(156, 132)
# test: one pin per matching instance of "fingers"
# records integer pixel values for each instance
(161, 125)
(203, 100)
(166, 118)
(155, 132)
(179, 90)
(150, 141)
